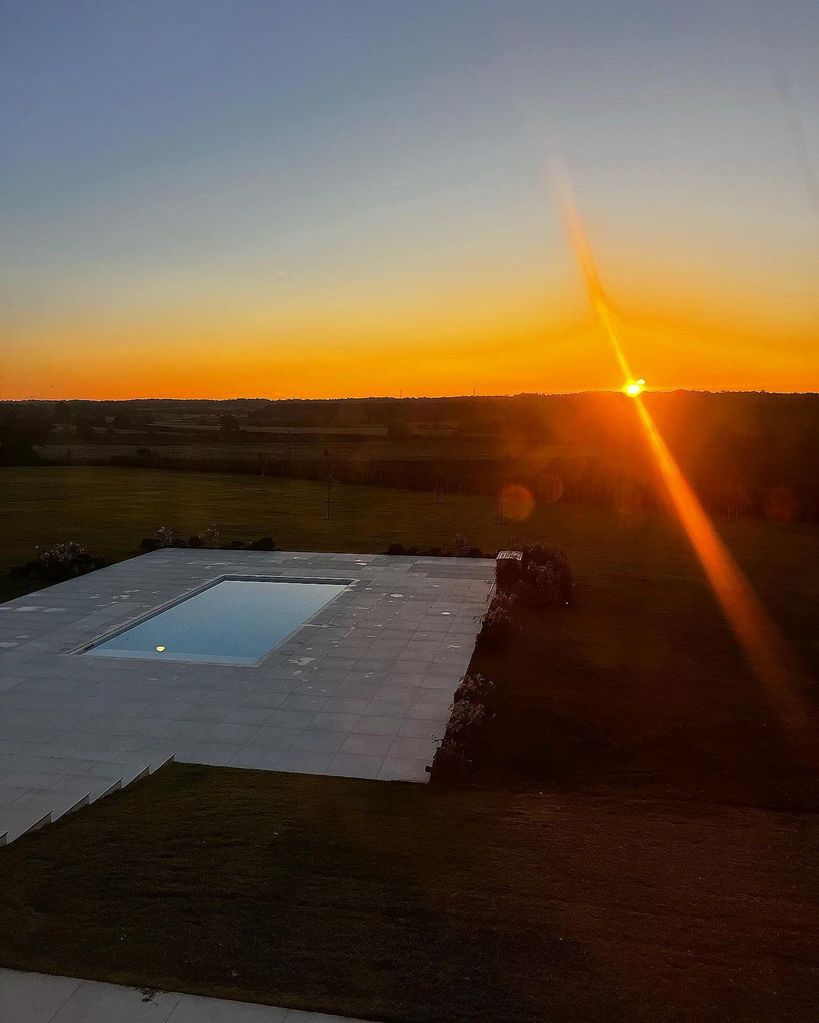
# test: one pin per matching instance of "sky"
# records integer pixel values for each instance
(320, 199)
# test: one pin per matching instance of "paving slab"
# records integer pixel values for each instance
(33, 997)
(41, 998)
(380, 662)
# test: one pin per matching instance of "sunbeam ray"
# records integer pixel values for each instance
(761, 641)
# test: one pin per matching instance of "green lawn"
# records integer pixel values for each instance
(110, 510)
(423, 905)
(649, 699)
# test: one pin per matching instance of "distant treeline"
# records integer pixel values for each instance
(745, 453)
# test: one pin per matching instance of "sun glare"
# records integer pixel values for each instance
(758, 636)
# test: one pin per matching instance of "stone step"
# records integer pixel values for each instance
(68, 793)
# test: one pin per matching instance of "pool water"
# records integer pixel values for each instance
(235, 621)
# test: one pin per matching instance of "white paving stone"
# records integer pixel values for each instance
(33, 997)
(40, 998)
(363, 691)
(91, 1002)
(198, 1009)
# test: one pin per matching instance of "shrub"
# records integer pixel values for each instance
(58, 563)
(498, 621)
(210, 537)
(546, 578)
(65, 560)
(465, 732)
(165, 537)
(264, 543)
(474, 689)
(396, 549)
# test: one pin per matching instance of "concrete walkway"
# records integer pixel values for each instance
(41, 998)
(362, 691)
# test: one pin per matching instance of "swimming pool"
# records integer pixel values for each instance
(232, 621)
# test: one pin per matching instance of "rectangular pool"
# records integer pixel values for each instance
(235, 621)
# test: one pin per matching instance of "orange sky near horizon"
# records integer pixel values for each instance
(526, 343)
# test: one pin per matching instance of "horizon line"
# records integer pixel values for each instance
(416, 397)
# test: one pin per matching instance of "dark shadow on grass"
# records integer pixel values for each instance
(410, 903)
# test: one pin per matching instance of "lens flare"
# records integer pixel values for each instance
(582, 250)
(762, 643)
(764, 647)
(518, 502)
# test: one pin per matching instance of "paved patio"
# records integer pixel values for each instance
(363, 691)
(41, 998)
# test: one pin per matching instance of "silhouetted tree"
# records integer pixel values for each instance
(229, 425)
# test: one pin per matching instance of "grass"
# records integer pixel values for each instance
(109, 511)
(413, 903)
(681, 717)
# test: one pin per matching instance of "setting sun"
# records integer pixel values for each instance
(634, 388)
